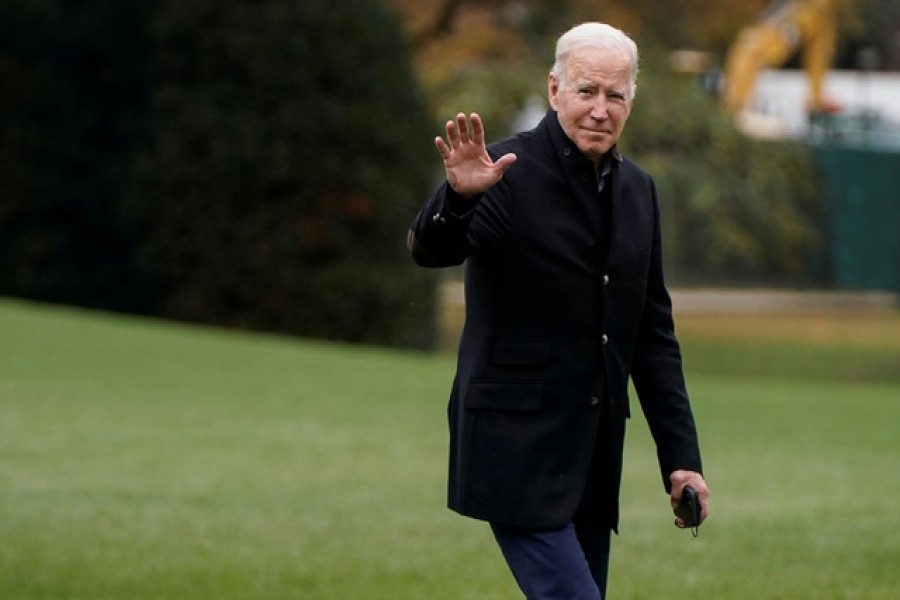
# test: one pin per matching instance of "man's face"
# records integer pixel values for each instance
(592, 99)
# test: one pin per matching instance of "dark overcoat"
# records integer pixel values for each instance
(557, 319)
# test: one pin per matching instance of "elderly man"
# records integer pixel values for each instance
(565, 300)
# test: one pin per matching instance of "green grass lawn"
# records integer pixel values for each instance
(146, 460)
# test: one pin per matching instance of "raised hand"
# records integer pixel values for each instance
(469, 168)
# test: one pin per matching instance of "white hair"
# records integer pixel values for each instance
(595, 35)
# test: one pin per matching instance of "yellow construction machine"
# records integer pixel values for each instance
(811, 26)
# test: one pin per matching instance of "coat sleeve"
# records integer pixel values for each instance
(437, 236)
(658, 375)
(449, 227)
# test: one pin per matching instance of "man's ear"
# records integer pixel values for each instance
(552, 90)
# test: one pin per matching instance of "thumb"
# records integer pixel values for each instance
(504, 162)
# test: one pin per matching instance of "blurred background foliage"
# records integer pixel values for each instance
(737, 210)
(285, 162)
(250, 164)
(256, 164)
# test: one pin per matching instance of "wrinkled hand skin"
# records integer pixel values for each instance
(680, 479)
(469, 168)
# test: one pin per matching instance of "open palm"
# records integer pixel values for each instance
(469, 168)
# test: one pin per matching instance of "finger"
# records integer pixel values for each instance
(504, 162)
(704, 500)
(442, 148)
(675, 495)
(452, 134)
(463, 126)
(477, 129)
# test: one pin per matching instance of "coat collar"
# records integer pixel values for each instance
(566, 149)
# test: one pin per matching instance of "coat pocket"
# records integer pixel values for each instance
(490, 395)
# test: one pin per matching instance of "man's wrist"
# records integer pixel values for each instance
(458, 206)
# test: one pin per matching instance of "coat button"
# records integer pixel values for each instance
(604, 339)
(567, 151)
(595, 400)
(605, 279)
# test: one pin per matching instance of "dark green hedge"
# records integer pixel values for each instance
(249, 164)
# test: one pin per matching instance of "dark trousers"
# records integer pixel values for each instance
(556, 565)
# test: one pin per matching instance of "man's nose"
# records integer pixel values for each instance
(599, 108)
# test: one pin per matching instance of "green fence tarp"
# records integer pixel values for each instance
(862, 191)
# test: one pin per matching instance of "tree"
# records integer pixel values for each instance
(291, 150)
(74, 104)
(735, 210)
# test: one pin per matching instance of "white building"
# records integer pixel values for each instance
(779, 105)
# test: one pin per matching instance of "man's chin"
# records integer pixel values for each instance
(595, 151)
